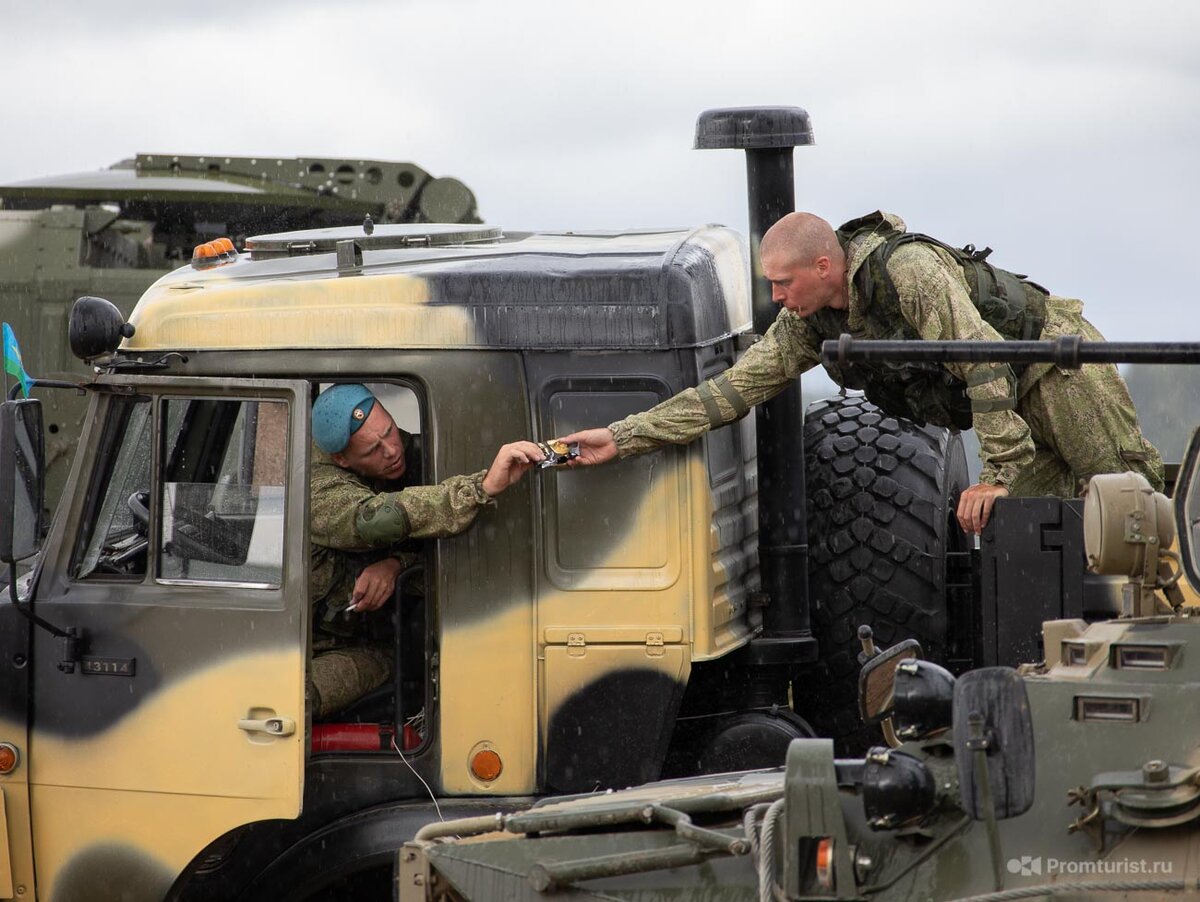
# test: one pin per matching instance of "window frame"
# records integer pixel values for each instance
(146, 589)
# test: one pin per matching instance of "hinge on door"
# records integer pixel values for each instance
(654, 645)
(576, 645)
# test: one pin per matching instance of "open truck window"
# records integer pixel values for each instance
(394, 715)
(221, 503)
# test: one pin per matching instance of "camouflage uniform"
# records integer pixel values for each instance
(355, 522)
(1067, 426)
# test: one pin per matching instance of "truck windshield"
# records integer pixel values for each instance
(115, 539)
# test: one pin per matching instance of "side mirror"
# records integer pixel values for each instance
(877, 681)
(95, 328)
(1187, 509)
(993, 743)
(22, 483)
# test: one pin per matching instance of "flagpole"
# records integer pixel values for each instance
(4, 360)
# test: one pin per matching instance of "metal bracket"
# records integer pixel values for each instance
(349, 258)
(654, 645)
(69, 647)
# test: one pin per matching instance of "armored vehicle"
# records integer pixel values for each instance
(113, 232)
(600, 629)
(1074, 777)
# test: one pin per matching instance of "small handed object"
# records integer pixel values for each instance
(557, 453)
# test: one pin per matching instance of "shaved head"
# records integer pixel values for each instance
(804, 262)
(801, 238)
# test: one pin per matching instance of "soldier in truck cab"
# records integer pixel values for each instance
(366, 501)
(1042, 430)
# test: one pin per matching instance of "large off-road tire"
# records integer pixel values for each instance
(881, 499)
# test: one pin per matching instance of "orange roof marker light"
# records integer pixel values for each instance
(9, 756)
(213, 253)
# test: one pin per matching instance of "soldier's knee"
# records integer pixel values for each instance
(343, 676)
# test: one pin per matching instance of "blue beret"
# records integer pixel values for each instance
(338, 413)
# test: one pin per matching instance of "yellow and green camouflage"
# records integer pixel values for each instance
(1068, 425)
(353, 522)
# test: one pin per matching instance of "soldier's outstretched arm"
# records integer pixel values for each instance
(596, 446)
(789, 348)
(512, 462)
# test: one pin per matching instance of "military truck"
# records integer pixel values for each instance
(1074, 777)
(600, 629)
(115, 231)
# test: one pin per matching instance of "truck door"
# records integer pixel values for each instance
(180, 559)
(16, 852)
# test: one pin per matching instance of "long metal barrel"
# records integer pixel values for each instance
(1070, 351)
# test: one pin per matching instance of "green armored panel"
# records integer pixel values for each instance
(813, 813)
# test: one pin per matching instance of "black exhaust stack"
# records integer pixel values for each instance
(767, 135)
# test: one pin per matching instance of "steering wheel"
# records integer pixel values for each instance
(185, 541)
(139, 505)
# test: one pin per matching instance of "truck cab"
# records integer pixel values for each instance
(167, 746)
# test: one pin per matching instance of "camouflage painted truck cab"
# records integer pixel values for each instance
(159, 706)
(1076, 777)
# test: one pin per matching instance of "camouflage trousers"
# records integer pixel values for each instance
(344, 674)
(1083, 423)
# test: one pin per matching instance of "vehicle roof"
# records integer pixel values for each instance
(467, 287)
(117, 185)
(276, 182)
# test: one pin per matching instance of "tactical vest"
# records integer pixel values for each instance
(926, 392)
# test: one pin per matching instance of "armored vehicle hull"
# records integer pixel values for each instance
(1076, 777)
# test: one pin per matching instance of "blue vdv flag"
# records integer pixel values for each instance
(12, 360)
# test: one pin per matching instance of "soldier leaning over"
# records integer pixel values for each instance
(1042, 430)
(363, 507)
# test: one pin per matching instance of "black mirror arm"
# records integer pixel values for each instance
(981, 739)
(45, 383)
(69, 639)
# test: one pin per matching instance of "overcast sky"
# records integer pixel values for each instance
(1063, 134)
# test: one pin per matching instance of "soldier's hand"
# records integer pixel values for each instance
(375, 585)
(975, 506)
(596, 446)
(512, 462)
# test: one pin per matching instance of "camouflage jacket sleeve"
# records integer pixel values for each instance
(935, 299)
(346, 514)
(788, 349)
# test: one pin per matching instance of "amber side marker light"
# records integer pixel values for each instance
(825, 863)
(486, 765)
(8, 757)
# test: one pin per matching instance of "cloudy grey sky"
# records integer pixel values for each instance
(1063, 134)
